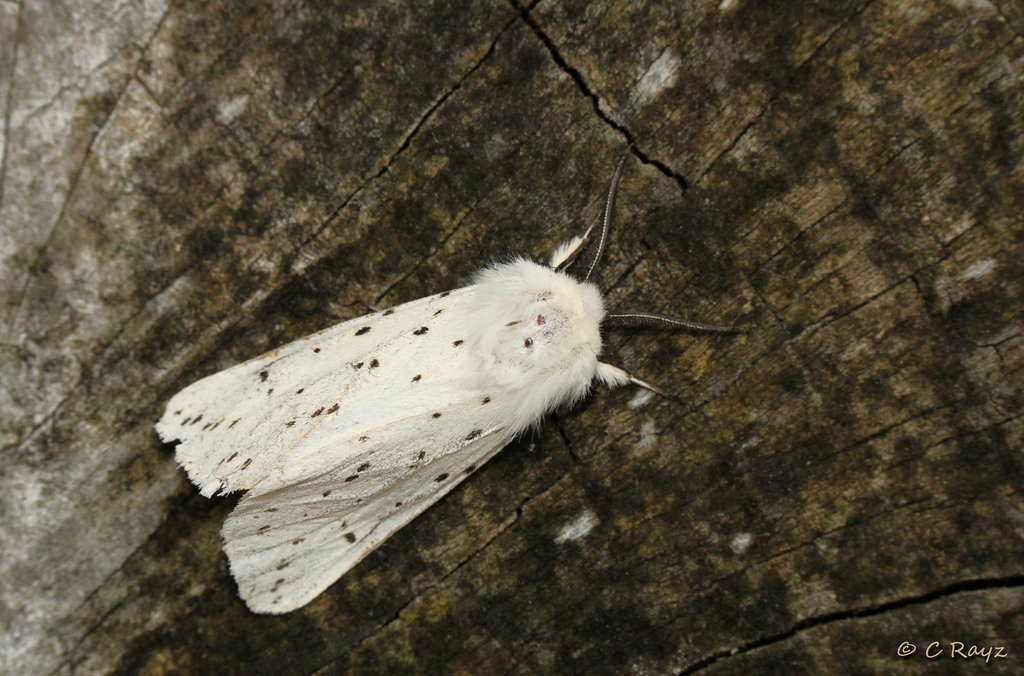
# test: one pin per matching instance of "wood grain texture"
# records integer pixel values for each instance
(186, 185)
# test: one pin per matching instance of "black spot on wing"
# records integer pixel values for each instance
(316, 349)
(263, 376)
(473, 435)
(357, 366)
(326, 493)
(421, 455)
(317, 412)
(262, 529)
(486, 400)
(298, 541)
(436, 415)
(364, 438)
(365, 329)
(441, 477)
(333, 408)
(439, 312)
(389, 311)
(351, 537)
(300, 390)
(444, 294)
(283, 563)
(458, 342)
(362, 468)
(420, 331)
(350, 479)
(246, 464)
(416, 377)
(196, 419)
(233, 423)
(374, 363)
(289, 423)
(233, 456)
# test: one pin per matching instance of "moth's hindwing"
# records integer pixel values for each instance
(287, 545)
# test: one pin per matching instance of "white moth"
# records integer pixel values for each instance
(343, 437)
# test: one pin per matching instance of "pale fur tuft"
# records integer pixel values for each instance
(564, 250)
(538, 334)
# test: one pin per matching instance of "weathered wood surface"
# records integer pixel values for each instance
(187, 185)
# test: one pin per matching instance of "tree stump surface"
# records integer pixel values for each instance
(187, 185)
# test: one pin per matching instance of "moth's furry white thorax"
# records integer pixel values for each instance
(537, 333)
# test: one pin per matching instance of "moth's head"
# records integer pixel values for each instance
(540, 327)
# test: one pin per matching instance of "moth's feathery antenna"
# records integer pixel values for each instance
(606, 217)
(664, 321)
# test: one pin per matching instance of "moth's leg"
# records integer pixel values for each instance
(566, 252)
(370, 306)
(613, 376)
